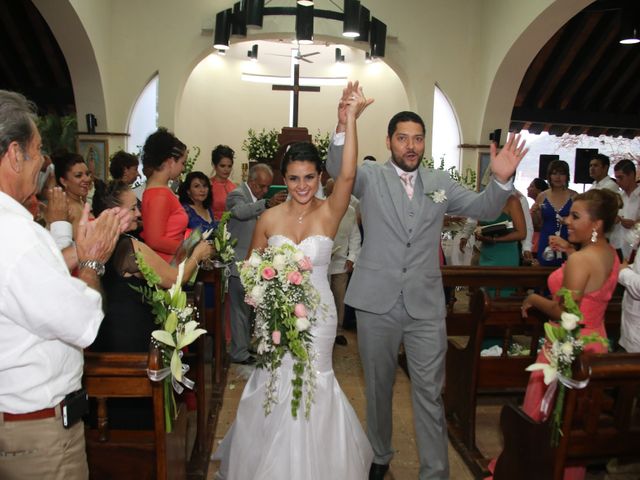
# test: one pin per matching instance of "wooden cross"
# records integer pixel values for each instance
(296, 88)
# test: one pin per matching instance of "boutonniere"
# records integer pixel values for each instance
(437, 196)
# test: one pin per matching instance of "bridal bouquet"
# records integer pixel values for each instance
(179, 329)
(278, 286)
(564, 345)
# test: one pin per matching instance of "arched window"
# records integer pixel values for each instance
(446, 132)
(144, 116)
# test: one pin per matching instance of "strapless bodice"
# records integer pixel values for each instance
(317, 247)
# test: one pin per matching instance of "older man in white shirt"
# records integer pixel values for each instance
(46, 316)
(346, 248)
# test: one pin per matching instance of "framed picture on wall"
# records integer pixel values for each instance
(95, 152)
(484, 159)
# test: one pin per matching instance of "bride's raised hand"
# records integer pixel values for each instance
(356, 102)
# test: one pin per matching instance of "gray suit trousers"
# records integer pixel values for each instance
(425, 343)
(240, 322)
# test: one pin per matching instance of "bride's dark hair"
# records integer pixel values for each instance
(301, 152)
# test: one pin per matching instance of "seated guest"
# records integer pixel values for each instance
(73, 175)
(128, 321)
(123, 166)
(222, 161)
(535, 188)
(195, 196)
(164, 221)
(590, 273)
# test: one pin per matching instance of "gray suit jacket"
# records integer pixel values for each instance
(244, 213)
(397, 259)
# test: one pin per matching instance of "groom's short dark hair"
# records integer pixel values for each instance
(405, 116)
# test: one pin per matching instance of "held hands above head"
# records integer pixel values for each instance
(504, 164)
(351, 104)
(57, 208)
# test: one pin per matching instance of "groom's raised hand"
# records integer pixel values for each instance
(504, 164)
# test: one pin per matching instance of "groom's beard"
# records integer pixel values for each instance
(407, 165)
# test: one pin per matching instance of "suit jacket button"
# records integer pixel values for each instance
(404, 270)
(408, 244)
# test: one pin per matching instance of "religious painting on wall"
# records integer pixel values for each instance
(96, 155)
(483, 170)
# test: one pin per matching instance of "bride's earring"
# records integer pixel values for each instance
(594, 236)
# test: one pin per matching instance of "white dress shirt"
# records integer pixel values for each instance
(630, 324)
(346, 244)
(46, 316)
(527, 241)
(622, 237)
(608, 183)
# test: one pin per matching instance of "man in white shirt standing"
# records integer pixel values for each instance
(622, 237)
(599, 171)
(46, 316)
(346, 248)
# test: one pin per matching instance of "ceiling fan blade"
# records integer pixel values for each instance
(310, 54)
(277, 55)
(305, 60)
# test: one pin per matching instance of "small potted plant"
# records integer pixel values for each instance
(261, 146)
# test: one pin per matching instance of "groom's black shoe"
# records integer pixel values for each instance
(377, 471)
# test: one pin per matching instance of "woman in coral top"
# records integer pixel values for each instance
(222, 161)
(164, 221)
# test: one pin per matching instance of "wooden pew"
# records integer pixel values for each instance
(214, 324)
(601, 421)
(469, 373)
(139, 454)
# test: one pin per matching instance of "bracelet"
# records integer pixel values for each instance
(94, 265)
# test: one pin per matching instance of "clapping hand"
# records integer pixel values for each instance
(96, 240)
(57, 208)
(504, 164)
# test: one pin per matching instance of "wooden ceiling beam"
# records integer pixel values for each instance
(537, 66)
(629, 75)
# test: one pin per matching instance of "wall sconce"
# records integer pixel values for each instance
(339, 56)
(367, 57)
(255, 13)
(304, 24)
(351, 23)
(253, 53)
(223, 29)
(377, 37)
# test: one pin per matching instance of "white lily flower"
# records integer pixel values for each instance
(178, 284)
(550, 372)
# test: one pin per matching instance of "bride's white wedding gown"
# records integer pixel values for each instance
(331, 443)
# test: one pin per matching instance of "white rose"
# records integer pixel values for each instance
(302, 324)
(569, 321)
(298, 255)
(257, 293)
(279, 262)
(567, 349)
(255, 260)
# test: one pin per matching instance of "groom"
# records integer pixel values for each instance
(396, 288)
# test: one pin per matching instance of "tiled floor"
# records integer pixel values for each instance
(349, 373)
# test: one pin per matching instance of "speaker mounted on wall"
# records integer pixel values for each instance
(581, 166)
(543, 165)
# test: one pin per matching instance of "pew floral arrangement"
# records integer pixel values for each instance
(178, 330)
(564, 345)
(223, 242)
(278, 286)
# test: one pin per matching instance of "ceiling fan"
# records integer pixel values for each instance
(297, 56)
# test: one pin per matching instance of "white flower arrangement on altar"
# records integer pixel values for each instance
(278, 286)
(563, 346)
(179, 329)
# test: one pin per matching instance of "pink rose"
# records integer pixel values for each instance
(300, 310)
(268, 273)
(305, 264)
(295, 278)
(275, 336)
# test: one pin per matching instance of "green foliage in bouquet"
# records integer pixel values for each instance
(223, 242)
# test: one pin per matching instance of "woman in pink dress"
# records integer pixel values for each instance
(591, 273)
(221, 186)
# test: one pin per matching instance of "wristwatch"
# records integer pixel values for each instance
(93, 265)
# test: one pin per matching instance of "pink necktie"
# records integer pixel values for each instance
(406, 183)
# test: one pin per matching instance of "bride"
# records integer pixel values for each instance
(331, 443)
